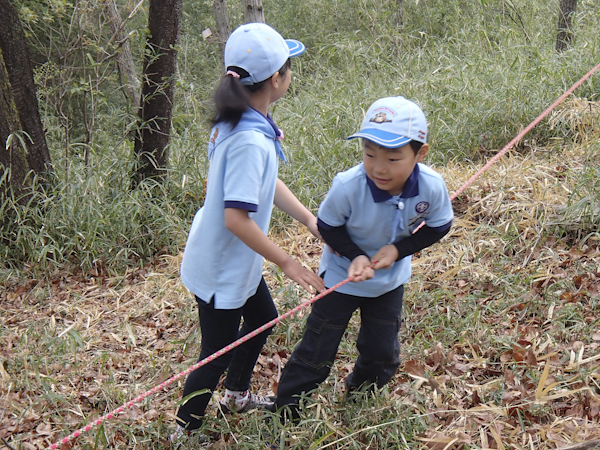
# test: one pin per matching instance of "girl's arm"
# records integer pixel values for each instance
(289, 204)
(239, 223)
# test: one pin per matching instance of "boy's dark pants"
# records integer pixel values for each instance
(220, 327)
(377, 343)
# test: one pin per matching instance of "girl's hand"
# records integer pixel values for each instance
(301, 275)
(385, 257)
(360, 269)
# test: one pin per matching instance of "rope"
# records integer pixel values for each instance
(293, 311)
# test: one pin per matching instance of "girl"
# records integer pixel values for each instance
(223, 258)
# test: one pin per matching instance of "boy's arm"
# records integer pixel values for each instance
(423, 238)
(286, 201)
(338, 239)
(426, 236)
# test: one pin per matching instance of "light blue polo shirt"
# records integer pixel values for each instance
(374, 218)
(242, 174)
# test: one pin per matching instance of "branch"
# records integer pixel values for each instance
(582, 446)
(7, 444)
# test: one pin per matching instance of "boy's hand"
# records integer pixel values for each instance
(360, 269)
(385, 257)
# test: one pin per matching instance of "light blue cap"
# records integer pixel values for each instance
(393, 122)
(259, 50)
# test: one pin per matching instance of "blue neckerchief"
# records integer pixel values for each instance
(411, 189)
(251, 120)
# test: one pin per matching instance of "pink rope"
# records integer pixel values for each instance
(205, 361)
(293, 311)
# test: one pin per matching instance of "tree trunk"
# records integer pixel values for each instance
(253, 11)
(13, 159)
(222, 19)
(158, 89)
(20, 79)
(564, 37)
(127, 74)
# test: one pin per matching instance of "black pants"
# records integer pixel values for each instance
(377, 343)
(221, 327)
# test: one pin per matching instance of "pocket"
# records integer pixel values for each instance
(315, 324)
(320, 342)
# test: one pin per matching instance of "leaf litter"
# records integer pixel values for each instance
(500, 337)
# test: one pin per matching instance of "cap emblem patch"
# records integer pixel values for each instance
(380, 118)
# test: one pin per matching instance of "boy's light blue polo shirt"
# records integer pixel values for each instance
(242, 174)
(374, 218)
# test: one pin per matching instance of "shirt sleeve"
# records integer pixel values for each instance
(338, 239)
(440, 213)
(243, 177)
(335, 209)
(423, 238)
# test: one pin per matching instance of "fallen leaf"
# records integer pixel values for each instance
(518, 353)
(414, 367)
(436, 440)
(44, 428)
(531, 359)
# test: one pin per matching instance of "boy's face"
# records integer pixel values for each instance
(389, 168)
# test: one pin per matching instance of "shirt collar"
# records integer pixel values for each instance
(278, 135)
(276, 129)
(411, 187)
(251, 120)
(278, 132)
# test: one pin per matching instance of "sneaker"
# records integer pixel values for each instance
(354, 394)
(183, 438)
(254, 402)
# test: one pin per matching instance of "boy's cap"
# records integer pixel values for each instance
(259, 50)
(393, 122)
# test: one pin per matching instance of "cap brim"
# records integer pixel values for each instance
(296, 47)
(382, 138)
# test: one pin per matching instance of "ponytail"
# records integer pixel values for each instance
(232, 97)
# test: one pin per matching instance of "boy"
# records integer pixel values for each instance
(367, 220)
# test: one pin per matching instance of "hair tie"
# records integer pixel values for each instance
(232, 73)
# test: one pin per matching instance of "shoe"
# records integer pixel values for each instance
(254, 402)
(183, 438)
(353, 393)
(289, 414)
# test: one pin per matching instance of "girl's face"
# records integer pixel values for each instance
(281, 83)
(389, 168)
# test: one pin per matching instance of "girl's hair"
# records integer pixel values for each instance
(232, 97)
